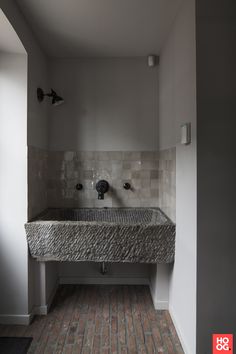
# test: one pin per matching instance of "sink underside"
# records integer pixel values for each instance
(137, 235)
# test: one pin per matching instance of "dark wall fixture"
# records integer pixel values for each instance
(56, 100)
(102, 187)
(79, 186)
(127, 186)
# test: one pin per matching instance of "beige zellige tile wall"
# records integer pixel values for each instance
(66, 169)
(53, 176)
(37, 180)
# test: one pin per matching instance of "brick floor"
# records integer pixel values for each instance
(101, 319)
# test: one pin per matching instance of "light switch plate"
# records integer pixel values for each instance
(186, 133)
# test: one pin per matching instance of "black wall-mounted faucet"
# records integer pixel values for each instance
(102, 187)
(79, 186)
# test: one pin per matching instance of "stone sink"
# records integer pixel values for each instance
(137, 235)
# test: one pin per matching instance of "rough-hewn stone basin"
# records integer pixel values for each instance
(137, 235)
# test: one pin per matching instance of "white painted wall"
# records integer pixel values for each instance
(13, 186)
(110, 104)
(37, 75)
(89, 273)
(177, 101)
(37, 135)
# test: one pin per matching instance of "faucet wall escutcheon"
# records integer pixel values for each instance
(102, 187)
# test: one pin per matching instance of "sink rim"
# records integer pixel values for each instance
(38, 219)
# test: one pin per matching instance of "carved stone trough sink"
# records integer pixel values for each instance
(137, 235)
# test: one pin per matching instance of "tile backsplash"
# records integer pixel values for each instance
(37, 181)
(54, 174)
(68, 168)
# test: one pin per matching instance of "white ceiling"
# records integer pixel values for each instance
(9, 41)
(68, 28)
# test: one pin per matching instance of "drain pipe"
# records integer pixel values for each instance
(103, 269)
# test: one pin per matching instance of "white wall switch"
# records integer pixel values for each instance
(186, 133)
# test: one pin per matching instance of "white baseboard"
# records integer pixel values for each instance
(16, 319)
(104, 280)
(179, 332)
(158, 304)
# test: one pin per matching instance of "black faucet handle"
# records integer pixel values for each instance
(126, 186)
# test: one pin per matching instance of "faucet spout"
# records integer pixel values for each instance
(100, 195)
